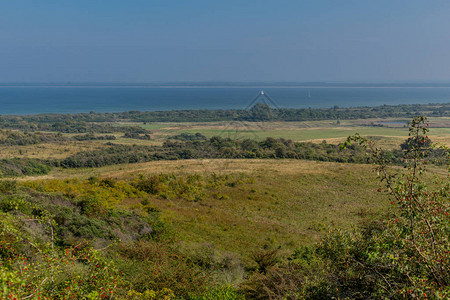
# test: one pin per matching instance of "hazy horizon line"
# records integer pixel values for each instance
(225, 84)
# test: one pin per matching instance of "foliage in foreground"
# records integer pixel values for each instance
(33, 266)
(406, 255)
(131, 253)
(409, 254)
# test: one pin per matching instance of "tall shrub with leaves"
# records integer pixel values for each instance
(407, 255)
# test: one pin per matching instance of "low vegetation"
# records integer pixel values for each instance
(18, 138)
(320, 231)
(15, 167)
(63, 124)
(93, 137)
(404, 255)
(185, 136)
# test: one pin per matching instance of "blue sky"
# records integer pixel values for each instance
(246, 40)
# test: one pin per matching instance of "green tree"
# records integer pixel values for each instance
(261, 112)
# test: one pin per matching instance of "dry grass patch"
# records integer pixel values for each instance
(47, 150)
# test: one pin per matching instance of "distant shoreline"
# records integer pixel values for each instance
(225, 85)
(37, 99)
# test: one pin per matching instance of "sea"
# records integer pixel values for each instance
(20, 100)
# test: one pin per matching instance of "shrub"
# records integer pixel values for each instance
(19, 167)
(408, 256)
(220, 293)
(154, 266)
(8, 186)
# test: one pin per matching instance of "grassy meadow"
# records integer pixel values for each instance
(279, 203)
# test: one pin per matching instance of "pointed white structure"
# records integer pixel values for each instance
(263, 98)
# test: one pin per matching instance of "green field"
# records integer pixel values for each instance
(315, 131)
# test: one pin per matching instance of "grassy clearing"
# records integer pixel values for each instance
(286, 203)
(293, 210)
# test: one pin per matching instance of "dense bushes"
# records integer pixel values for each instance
(104, 193)
(115, 154)
(137, 136)
(188, 137)
(408, 256)
(81, 214)
(19, 138)
(33, 266)
(63, 124)
(215, 147)
(93, 137)
(157, 266)
(44, 226)
(19, 167)
(13, 138)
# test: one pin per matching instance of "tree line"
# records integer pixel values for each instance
(83, 122)
(64, 124)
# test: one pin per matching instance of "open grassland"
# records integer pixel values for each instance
(287, 205)
(277, 203)
(265, 204)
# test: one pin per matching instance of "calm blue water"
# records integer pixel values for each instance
(33, 100)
